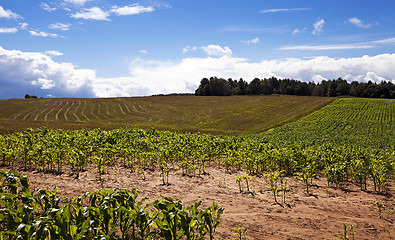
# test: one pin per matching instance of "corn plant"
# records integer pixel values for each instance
(284, 188)
(240, 233)
(247, 179)
(307, 175)
(380, 207)
(273, 178)
(238, 181)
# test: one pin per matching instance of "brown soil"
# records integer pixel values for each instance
(320, 215)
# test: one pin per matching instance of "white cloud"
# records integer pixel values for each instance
(6, 13)
(77, 2)
(54, 53)
(46, 7)
(23, 26)
(357, 22)
(384, 41)
(216, 50)
(21, 72)
(131, 10)
(188, 48)
(363, 45)
(318, 26)
(297, 31)
(94, 13)
(39, 72)
(252, 41)
(36, 33)
(44, 83)
(326, 47)
(143, 51)
(8, 30)
(283, 10)
(60, 26)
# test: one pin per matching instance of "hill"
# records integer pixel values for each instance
(216, 115)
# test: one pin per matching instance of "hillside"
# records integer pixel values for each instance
(217, 115)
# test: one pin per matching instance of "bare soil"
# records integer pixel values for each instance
(320, 215)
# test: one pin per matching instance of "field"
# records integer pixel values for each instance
(217, 115)
(305, 180)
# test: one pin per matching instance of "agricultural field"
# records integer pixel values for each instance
(217, 115)
(327, 175)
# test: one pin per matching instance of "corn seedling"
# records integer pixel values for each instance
(248, 178)
(273, 183)
(238, 181)
(240, 233)
(380, 207)
(220, 182)
(284, 188)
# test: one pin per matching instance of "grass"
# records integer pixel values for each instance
(236, 115)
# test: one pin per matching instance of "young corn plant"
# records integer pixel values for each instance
(380, 207)
(307, 175)
(238, 181)
(273, 178)
(284, 188)
(164, 172)
(240, 233)
(248, 178)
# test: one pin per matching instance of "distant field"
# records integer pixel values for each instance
(217, 115)
(348, 121)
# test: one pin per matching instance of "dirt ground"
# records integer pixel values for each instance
(320, 215)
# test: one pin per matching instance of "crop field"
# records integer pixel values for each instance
(216, 115)
(327, 175)
(347, 121)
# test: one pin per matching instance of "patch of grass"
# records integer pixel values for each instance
(236, 115)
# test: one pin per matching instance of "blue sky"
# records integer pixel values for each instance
(102, 48)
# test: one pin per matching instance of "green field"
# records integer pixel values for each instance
(216, 115)
(347, 121)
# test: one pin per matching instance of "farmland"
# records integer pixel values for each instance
(216, 115)
(284, 183)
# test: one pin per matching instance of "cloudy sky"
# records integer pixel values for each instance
(103, 48)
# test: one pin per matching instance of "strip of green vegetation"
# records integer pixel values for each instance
(352, 122)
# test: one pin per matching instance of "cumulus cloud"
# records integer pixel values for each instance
(283, 10)
(94, 13)
(154, 77)
(37, 73)
(6, 13)
(318, 27)
(357, 22)
(216, 50)
(131, 10)
(252, 41)
(60, 26)
(8, 30)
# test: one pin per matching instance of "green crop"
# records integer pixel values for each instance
(103, 214)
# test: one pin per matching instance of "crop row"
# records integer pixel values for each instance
(44, 149)
(104, 214)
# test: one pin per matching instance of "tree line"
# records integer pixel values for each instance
(327, 88)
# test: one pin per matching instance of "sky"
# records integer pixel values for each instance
(122, 48)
